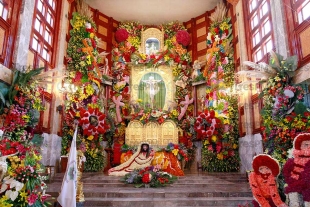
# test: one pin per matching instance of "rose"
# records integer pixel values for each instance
(146, 178)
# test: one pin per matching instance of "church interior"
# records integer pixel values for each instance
(155, 103)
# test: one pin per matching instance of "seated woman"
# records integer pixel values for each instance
(141, 159)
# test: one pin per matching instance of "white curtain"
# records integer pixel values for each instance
(50, 149)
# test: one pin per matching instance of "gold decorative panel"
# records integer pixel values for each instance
(102, 45)
(200, 20)
(304, 42)
(153, 133)
(152, 33)
(202, 31)
(137, 72)
(201, 45)
(202, 58)
(102, 18)
(102, 30)
(2, 35)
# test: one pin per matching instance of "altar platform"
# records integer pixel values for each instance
(194, 189)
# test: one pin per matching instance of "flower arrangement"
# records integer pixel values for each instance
(284, 114)
(183, 37)
(121, 35)
(84, 104)
(22, 183)
(151, 176)
(179, 150)
(220, 150)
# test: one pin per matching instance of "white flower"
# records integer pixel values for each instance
(209, 36)
(217, 38)
(1, 133)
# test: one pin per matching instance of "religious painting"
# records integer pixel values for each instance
(152, 91)
(152, 46)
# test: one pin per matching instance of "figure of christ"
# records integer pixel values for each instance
(263, 182)
(141, 159)
(153, 88)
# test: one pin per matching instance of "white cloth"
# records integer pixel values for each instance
(67, 197)
(50, 149)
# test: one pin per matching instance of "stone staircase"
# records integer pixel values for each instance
(203, 189)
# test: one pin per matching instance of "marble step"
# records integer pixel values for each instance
(167, 202)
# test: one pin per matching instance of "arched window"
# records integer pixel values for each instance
(43, 41)
(297, 14)
(9, 16)
(258, 28)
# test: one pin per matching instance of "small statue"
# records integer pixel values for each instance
(263, 182)
(196, 69)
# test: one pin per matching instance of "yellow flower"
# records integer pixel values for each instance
(213, 138)
(143, 56)
(175, 152)
(91, 137)
(220, 156)
(235, 146)
(92, 35)
(206, 142)
(224, 26)
(89, 90)
(226, 121)
(166, 57)
(139, 100)
(77, 114)
(23, 195)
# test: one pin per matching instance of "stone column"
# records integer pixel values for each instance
(61, 53)
(279, 27)
(21, 49)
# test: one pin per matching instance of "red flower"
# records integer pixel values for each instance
(183, 38)
(121, 35)
(146, 178)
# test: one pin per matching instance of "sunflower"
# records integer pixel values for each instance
(93, 121)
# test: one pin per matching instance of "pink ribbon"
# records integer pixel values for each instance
(185, 105)
(118, 103)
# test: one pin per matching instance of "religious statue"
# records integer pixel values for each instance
(196, 69)
(152, 88)
(141, 159)
(296, 172)
(263, 182)
(105, 68)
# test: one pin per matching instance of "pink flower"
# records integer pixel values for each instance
(32, 198)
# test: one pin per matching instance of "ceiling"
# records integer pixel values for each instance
(153, 12)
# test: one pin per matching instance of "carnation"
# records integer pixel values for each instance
(183, 38)
(121, 35)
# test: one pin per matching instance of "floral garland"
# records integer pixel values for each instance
(22, 184)
(84, 103)
(151, 176)
(220, 137)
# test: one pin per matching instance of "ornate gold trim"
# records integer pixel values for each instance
(152, 33)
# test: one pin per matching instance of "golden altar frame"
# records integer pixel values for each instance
(155, 134)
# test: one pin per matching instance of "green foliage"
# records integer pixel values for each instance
(94, 161)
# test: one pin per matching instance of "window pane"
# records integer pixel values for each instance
(269, 46)
(1, 8)
(34, 44)
(266, 28)
(304, 11)
(37, 25)
(258, 55)
(253, 5)
(40, 6)
(254, 21)
(264, 9)
(256, 38)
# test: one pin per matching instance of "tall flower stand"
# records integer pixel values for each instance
(109, 152)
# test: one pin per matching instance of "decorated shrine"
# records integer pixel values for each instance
(154, 93)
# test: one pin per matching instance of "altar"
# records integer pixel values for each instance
(157, 135)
